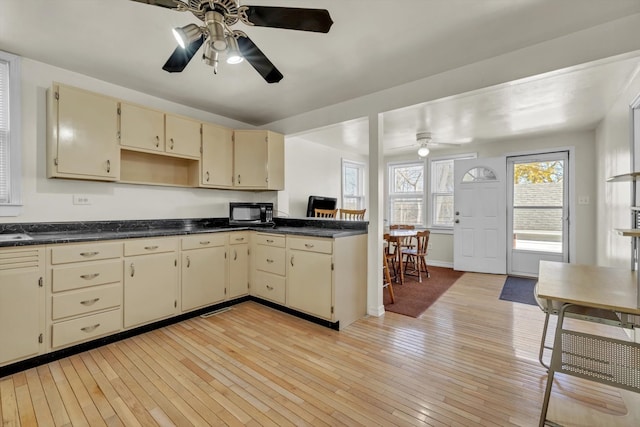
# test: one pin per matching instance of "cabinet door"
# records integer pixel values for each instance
(250, 159)
(87, 135)
(238, 270)
(309, 283)
(203, 277)
(150, 287)
(183, 136)
(20, 315)
(141, 127)
(217, 156)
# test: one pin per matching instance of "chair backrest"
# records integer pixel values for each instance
(402, 227)
(423, 241)
(326, 213)
(352, 214)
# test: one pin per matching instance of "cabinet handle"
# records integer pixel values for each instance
(291, 260)
(238, 178)
(157, 141)
(90, 276)
(108, 166)
(239, 239)
(235, 254)
(269, 241)
(133, 270)
(207, 176)
(151, 248)
(89, 254)
(188, 262)
(90, 328)
(270, 287)
(171, 145)
(270, 261)
(205, 242)
(90, 301)
(308, 245)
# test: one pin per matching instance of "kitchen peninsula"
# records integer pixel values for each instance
(67, 287)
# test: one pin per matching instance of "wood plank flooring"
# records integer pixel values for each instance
(470, 360)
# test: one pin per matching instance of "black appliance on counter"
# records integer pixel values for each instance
(242, 213)
(320, 202)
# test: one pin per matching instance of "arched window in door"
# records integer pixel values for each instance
(479, 174)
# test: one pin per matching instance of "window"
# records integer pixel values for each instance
(10, 199)
(352, 185)
(406, 193)
(441, 190)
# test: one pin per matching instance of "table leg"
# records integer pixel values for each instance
(400, 264)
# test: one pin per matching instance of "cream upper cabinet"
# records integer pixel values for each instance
(238, 264)
(82, 135)
(217, 156)
(204, 270)
(258, 160)
(141, 127)
(182, 136)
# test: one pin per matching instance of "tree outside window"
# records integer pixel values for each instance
(406, 193)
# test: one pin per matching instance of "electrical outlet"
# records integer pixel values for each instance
(583, 200)
(81, 199)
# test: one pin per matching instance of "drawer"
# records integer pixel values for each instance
(238, 238)
(270, 259)
(269, 286)
(85, 328)
(64, 278)
(84, 301)
(204, 241)
(270, 240)
(149, 246)
(324, 246)
(89, 252)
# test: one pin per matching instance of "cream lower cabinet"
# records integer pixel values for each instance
(238, 264)
(269, 259)
(150, 280)
(22, 301)
(204, 270)
(327, 278)
(84, 293)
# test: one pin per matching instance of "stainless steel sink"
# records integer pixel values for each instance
(14, 237)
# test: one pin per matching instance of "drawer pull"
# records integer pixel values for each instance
(90, 276)
(270, 261)
(90, 301)
(89, 254)
(88, 329)
(270, 287)
(308, 245)
(205, 242)
(269, 241)
(151, 248)
(239, 239)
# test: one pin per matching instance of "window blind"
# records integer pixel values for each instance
(4, 132)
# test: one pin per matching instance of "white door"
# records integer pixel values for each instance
(537, 214)
(479, 231)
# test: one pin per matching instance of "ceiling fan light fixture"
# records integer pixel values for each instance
(215, 24)
(423, 151)
(187, 34)
(210, 57)
(233, 52)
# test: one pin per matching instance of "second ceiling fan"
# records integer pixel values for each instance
(218, 16)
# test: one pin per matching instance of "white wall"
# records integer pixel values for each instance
(441, 252)
(613, 144)
(49, 200)
(312, 169)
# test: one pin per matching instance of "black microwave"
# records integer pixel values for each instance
(250, 213)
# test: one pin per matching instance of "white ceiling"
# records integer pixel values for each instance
(373, 45)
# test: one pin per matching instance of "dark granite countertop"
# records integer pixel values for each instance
(71, 232)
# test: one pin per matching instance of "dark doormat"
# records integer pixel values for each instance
(519, 289)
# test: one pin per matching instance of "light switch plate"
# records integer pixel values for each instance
(81, 199)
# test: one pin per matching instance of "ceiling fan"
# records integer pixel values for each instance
(218, 16)
(424, 141)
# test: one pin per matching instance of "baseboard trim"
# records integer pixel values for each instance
(436, 263)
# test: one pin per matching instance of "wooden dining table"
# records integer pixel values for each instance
(399, 236)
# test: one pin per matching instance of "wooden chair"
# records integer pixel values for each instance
(387, 278)
(325, 213)
(417, 255)
(352, 214)
(390, 253)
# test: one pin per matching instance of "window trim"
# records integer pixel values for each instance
(431, 194)
(424, 193)
(361, 184)
(14, 207)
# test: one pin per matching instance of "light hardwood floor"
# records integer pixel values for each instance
(470, 360)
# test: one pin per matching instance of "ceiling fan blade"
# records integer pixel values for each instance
(181, 57)
(290, 18)
(169, 4)
(258, 60)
